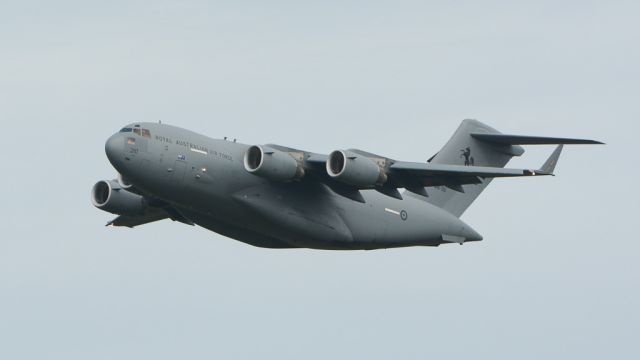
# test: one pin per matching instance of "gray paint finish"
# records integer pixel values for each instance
(556, 275)
(277, 197)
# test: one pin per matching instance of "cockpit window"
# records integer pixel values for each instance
(142, 132)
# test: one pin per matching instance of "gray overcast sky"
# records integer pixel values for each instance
(557, 275)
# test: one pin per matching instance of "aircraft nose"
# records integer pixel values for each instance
(114, 148)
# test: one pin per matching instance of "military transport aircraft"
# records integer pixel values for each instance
(277, 197)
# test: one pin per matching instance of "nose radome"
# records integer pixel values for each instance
(114, 148)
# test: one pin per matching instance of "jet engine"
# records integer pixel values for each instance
(127, 185)
(109, 196)
(355, 169)
(124, 182)
(272, 164)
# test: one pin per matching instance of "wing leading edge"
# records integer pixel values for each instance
(504, 139)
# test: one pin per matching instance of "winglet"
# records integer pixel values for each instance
(549, 166)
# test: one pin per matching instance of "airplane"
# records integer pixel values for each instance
(277, 197)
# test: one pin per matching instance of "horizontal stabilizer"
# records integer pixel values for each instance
(503, 139)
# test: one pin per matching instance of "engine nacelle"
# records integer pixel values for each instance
(355, 169)
(109, 196)
(272, 164)
(124, 182)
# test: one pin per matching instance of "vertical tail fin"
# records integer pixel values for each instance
(463, 149)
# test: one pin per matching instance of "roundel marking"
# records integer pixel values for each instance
(403, 215)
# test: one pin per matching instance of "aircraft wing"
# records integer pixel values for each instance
(136, 220)
(412, 175)
(428, 174)
(152, 214)
(416, 176)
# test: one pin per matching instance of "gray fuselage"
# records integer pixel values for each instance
(206, 181)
